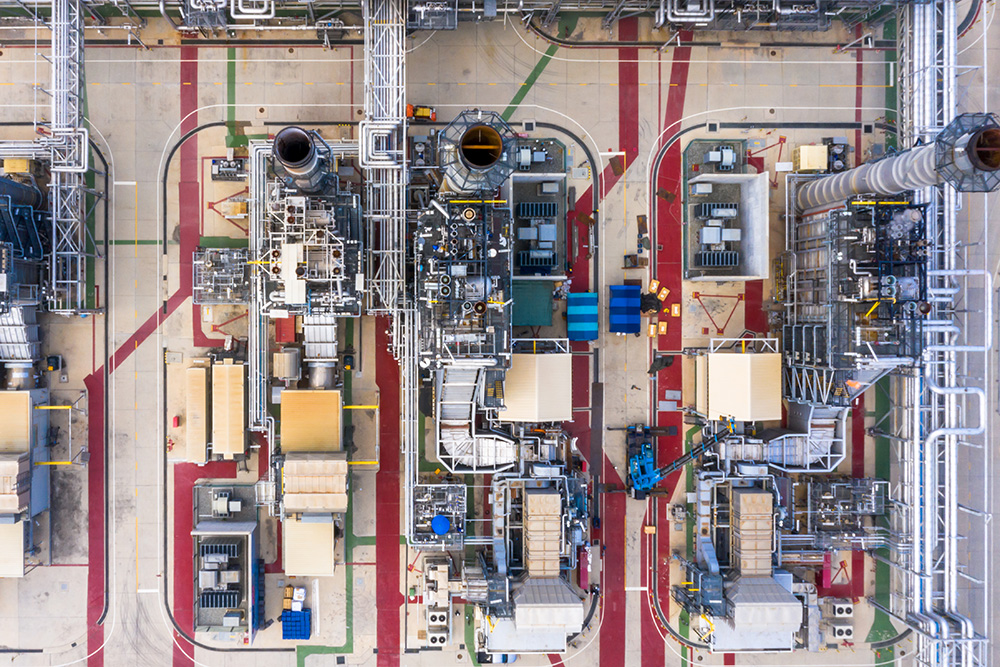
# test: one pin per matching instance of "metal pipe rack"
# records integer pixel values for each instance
(939, 590)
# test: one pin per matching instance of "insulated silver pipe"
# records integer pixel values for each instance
(975, 152)
(909, 171)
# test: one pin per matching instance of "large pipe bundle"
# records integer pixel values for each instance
(20, 194)
(966, 154)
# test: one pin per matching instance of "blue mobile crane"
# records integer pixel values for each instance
(643, 475)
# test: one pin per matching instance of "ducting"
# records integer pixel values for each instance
(966, 154)
(20, 194)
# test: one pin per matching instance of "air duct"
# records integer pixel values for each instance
(965, 154)
(298, 161)
(20, 194)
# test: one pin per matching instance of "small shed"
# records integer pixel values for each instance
(744, 387)
(12, 549)
(311, 420)
(228, 409)
(538, 388)
(308, 547)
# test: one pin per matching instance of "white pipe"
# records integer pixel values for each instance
(988, 309)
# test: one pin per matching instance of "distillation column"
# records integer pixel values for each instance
(966, 154)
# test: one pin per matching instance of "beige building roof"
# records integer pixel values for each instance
(542, 531)
(308, 548)
(196, 426)
(228, 409)
(14, 495)
(12, 549)
(315, 482)
(538, 388)
(15, 427)
(311, 421)
(746, 387)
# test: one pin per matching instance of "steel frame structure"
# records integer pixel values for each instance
(70, 151)
(382, 147)
(937, 422)
(65, 146)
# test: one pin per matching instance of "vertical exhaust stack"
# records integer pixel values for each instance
(965, 154)
(298, 161)
(476, 152)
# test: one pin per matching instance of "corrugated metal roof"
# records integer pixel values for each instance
(311, 421)
(15, 427)
(228, 409)
(538, 388)
(746, 387)
(545, 602)
(196, 426)
(762, 603)
(308, 548)
(315, 482)
(12, 549)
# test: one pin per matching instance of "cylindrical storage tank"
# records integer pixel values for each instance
(288, 364)
(20, 376)
(321, 375)
(296, 157)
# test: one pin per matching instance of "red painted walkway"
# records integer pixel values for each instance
(613, 625)
(388, 598)
(95, 515)
(668, 269)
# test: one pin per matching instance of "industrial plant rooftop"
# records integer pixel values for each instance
(605, 333)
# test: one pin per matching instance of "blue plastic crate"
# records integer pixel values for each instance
(296, 624)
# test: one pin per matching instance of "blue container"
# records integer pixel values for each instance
(440, 524)
(296, 624)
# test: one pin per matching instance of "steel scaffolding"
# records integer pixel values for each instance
(383, 159)
(67, 263)
(65, 145)
(937, 423)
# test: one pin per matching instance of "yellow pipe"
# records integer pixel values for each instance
(872, 309)
(478, 201)
(362, 463)
(53, 407)
(361, 407)
(53, 463)
(258, 261)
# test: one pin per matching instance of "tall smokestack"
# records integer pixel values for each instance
(295, 154)
(965, 154)
(476, 151)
